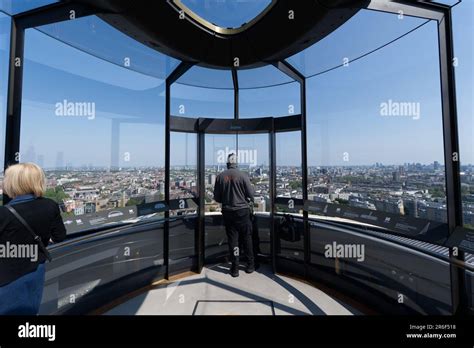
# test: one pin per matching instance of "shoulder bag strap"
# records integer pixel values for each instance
(33, 234)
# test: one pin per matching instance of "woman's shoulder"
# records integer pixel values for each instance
(48, 202)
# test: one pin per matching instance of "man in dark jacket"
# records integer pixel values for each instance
(234, 190)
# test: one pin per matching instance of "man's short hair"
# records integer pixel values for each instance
(232, 158)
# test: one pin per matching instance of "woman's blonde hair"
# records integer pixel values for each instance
(24, 178)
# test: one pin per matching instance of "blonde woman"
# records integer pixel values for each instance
(22, 258)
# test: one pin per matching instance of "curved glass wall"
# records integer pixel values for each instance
(203, 92)
(195, 102)
(378, 143)
(274, 101)
(5, 23)
(365, 32)
(97, 130)
(94, 36)
(464, 55)
(267, 92)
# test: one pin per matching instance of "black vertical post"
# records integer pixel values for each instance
(273, 237)
(289, 70)
(14, 101)
(235, 80)
(167, 177)
(304, 175)
(200, 243)
(451, 157)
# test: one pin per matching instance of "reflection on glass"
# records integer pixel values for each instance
(195, 102)
(96, 130)
(283, 100)
(364, 32)
(205, 77)
(4, 54)
(93, 35)
(463, 28)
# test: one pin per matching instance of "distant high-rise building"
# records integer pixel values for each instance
(436, 165)
(162, 188)
(396, 176)
(411, 207)
(60, 160)
(401, 170)
(40, 160)
(212, 179)
(29, 155)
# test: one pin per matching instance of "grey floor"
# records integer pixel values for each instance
(215, 292)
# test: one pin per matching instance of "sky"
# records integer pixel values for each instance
(345, 122)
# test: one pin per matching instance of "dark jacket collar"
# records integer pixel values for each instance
(22, 198)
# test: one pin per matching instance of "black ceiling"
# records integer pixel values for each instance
(274, 37)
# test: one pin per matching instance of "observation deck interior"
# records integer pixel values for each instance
(143, 102)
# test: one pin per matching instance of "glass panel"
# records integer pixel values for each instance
(183, 190)
(211, 78)
(195, 102)
(79, 130)
(288, 163)
(377, 139)
(254, 158)
(5, 23)
(283, 100)
(82, 271)
(289, 231)
(463, 28)
(373, 29)
(227, 13)
(183, 171)
(92, 35)
(265, 76)
(13, 7)
(384, 268)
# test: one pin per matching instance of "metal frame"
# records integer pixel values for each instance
(57, 12)
(442, 14)
(235, 126)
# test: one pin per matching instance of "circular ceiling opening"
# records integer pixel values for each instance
(225, 17)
